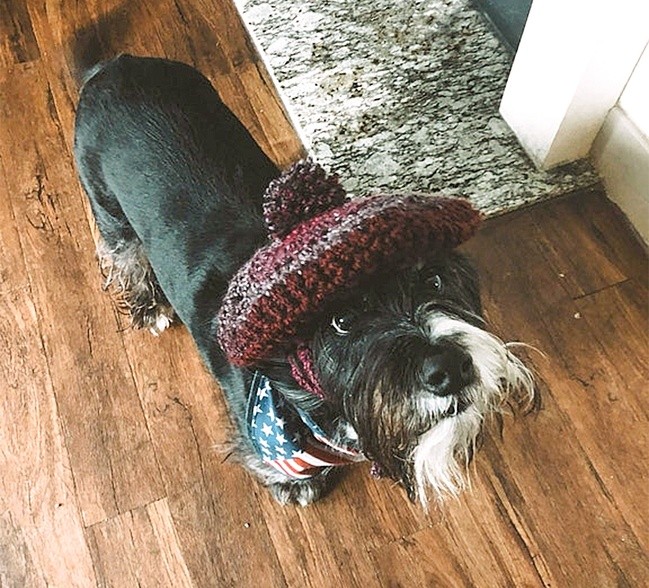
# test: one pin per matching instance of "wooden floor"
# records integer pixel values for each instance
(108, 473)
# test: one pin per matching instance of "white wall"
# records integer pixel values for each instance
(574, 59)
(635, 97)
(621, 149)
(579, 87)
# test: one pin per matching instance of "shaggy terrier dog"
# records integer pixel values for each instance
(341, 329)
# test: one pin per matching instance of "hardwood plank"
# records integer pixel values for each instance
(120, 543)
(355, 539)
(18, 41)
(619, 315)
(615, 381)
(224, 539)
(580, 534)
(479, 535)
(473, 544)
(182, 403)
(422, 559)
(41, 534)
(563, 241)
(13, 273)
(603, 367)
(570, 228)
(556, 502)
(57, 24)
(328, 543)
(608, 230)
(388, 514)
(111, 455)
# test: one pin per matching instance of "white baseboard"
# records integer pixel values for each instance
(621, 155)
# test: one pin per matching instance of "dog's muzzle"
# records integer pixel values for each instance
(471, 375)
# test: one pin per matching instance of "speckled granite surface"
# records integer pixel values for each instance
(403, 95)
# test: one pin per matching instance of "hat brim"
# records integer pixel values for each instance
(275, 298)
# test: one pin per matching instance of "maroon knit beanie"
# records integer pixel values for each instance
(320, 244)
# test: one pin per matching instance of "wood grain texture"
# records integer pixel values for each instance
(13, 273)
(16, 34)
(42, 539)
(140, 548)
(601, 442)
(58, 253)
(113, 443)
(188, 424)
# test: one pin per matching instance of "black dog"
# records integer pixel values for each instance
(403, 372)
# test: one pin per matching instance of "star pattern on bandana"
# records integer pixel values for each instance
(284, 438)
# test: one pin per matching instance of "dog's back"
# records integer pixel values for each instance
(166, 163)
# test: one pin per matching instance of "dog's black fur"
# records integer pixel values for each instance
(167, 166)
(175, 182)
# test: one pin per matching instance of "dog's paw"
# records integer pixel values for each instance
(162, 322)
(300, 492)
(156, 318)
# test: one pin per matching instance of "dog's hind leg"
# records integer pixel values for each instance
(129, 275)
(123, 261)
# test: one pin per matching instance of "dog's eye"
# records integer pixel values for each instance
(343, 323)
(436, 282)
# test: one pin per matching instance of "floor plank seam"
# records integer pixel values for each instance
(533, 552)
(603, 289)
(128, 511)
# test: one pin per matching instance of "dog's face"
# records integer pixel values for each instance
(410, 367)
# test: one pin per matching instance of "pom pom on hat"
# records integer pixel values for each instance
(321, 244)
(304, 191)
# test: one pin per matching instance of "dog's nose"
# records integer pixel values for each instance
(447, 370)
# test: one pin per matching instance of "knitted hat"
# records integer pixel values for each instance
(322, 243)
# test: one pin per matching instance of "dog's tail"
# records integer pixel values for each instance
(88, 50)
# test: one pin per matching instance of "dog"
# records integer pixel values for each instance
(372, 348)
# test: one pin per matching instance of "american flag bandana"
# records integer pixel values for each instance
(287, 438)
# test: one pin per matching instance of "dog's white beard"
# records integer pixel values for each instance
(442, 454)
